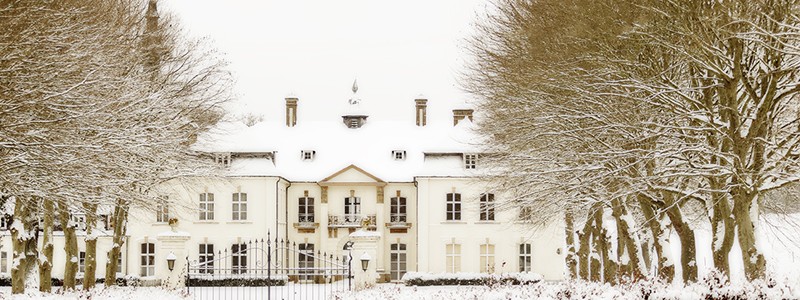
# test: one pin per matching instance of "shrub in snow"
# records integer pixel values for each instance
(129, 280)
(426, 279)
(712, 287)
(207, 280)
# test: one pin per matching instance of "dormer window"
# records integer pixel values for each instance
(399, 154)
(307, 155)
(79, 220)
(470, 161)
(223, 159)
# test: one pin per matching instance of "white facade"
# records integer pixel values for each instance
(315, 181)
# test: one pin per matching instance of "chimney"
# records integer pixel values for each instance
(291, 111)
(422, 111)
(460, 114)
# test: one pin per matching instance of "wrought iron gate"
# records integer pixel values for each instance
(268, 269)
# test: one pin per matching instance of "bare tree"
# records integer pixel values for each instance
(676, 108)
(102, 101)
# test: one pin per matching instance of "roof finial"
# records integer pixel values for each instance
(355, 86)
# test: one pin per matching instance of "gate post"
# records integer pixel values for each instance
(365, 247)
(172, 244)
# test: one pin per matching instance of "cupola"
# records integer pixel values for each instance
(354, 116)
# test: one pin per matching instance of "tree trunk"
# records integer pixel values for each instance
(570, 258)
(746, 204)
(665, 269)
(120, 220)
(610, 264)
(19, 237)
(46, 264)
(722, 230)
(646, 245)
(686, 235)
(584, 237)
(603, 244)
(627, 243)
(90, 264)
(70, 247)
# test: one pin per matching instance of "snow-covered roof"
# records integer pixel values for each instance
(336, 147)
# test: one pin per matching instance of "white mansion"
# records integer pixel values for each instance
(315, 181)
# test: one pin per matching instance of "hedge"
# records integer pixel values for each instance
(237, 281)
(428, 279)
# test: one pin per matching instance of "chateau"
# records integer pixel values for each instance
(415, 181)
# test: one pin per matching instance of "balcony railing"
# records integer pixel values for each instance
(306, 222)
(351, 220)
(398, 221)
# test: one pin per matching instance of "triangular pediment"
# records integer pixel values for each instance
(352, 175)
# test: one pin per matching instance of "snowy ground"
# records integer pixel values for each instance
(577, 290)
(101, 293)
(780, 241)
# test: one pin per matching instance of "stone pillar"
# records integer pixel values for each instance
(172, 244)
(365, 246)
(422, 111)
(291, 111)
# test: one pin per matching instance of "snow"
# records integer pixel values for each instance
(20, 228)
(100, 293)
(336, 147)
(581, 290)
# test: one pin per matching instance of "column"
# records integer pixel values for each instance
(365, 247)
(172, 245)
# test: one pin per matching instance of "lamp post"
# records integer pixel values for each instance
(171, 261)
(365, 258)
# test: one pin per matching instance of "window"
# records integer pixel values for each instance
(305, 260)
(397, 261)
(3, 262)
(206, 206)
(305, 210)
(239, 207)
(352, 208)
(487, 207)
(398, 210)
(148, 259)
(81, 262)
(487, 258)
(239, 258)
(307, 155)
(453, 207)
(206, 258)
(453, 258)
(470, 161)
(525, 257)
(119, 262)
(399, 154)
(223, 159)
(108, 224)
(80, 221)
(162, 211)
(5, 222)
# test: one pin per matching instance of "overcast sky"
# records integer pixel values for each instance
(314, 50)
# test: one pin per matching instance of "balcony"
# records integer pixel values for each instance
(398, 222)
(351, 221)
(306, 222)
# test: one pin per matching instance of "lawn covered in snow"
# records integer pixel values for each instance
(706, 289)
(101, 293)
